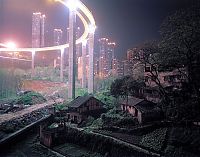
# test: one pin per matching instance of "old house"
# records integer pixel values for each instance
(144, 110)
(82, 107)
(172, 79)
(51, 131)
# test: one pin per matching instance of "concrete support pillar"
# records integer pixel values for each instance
(84, 72)
(72, 54)
(61, 64)
(91, 64)
(33, 64)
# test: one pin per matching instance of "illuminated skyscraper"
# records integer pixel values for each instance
(58, 34)
(106, 56)
(42, 33)
(38, 29)
(103, 45)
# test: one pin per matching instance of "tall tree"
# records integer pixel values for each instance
(181, 44)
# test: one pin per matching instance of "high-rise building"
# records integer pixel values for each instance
(106, 56)
(42, 35)
(96, 66)
(117, 68)
(136, 68)
(58, 34)
(126, 67)
(38, 30)
(110, 54)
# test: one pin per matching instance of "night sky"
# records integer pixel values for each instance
(127, 22)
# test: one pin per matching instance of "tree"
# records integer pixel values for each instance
(150, 55)
(181, 44)
(126, 86)
(102, 84)
(116, 88)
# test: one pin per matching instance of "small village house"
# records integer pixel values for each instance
(83, 107)
(143, 110)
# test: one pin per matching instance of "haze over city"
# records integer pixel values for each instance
(100, 78)
(142, 20)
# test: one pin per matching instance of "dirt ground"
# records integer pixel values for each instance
(46, 88)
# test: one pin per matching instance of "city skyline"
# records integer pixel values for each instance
(17, 25)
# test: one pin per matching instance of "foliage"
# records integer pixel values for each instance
(183, 141)
(155, 139)
(181, 45)
(102, 84)
(98, 123)
(81, 92)
(30, 98)
(117, 118)
(60, 107)
(151, 57)
(126, 86)
(127, 122)
(106, 98)
(88, 122)
(48, 73)
(116, 89)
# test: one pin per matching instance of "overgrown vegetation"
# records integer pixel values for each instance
(49, 74)
(105, 97)
(30, 98)
(155, 140)
(10, 83)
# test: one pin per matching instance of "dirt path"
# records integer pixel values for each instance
(10, 116)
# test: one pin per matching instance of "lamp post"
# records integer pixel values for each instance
(91, 59)
(11, 45)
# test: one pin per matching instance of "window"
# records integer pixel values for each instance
(166, 78)
(147, 69)
(153, 78)
(146, 79)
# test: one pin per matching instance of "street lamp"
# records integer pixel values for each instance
(73, 4)
(11, 45)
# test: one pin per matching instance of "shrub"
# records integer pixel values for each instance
(155, 139)
(30, 98)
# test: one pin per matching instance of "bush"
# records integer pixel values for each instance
(127, 122)
(155, 139)
(87, 122)
(30, 98)
(107, 99)
(98, 123)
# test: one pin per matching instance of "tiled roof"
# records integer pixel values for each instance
(79, 101)
(140, 104)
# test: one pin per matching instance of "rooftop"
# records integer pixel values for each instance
(79, 101)
(140, 104)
